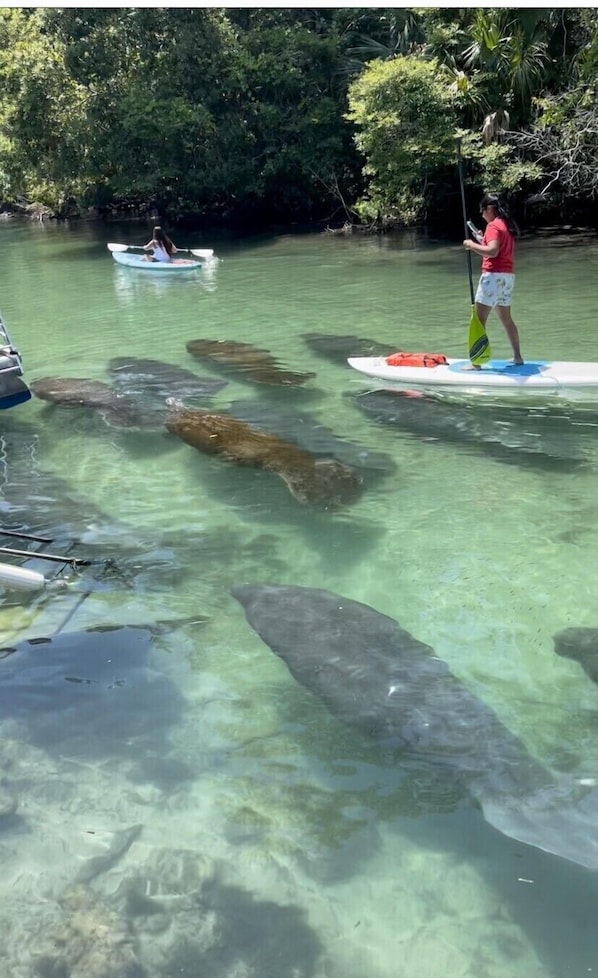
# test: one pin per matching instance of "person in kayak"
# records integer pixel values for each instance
(496, 248)
(161, 246)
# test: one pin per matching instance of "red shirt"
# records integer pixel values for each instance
(497, 230)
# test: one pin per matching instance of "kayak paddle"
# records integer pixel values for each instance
(199, 252)
(478, 343)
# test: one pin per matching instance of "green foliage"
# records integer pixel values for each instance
(498, 168)
(42, 110)
(405, 127)
(287, 113)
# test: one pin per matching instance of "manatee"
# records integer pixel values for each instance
(338, 348)
(37, 501)
(249, 361)
(76, 391)
(307, 432)
(374, 676)
(142, 376)
(91, 694)
(322, 482)
(580, 644)
(117, 409)
(509, 435)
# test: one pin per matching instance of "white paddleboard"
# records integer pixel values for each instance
(496, 376)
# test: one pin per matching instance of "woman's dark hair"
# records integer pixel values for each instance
(493, 200)
(159, 235)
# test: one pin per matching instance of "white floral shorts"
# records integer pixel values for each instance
(495, 289)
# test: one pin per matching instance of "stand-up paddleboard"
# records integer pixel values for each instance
(560, 377)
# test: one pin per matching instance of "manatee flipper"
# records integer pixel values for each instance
(548, 820)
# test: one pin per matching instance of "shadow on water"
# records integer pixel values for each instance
(262, 498)
(257, 938)
(156, 927)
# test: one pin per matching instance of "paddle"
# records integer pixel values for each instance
(478, 342)
(199, 252)
(23, 536)
(73, 561)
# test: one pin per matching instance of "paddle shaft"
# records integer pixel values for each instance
(54, 557)
(24, 536)
(198, 252)
(465, 228)
(141, 248)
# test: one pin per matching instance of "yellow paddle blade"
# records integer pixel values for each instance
(478, 343)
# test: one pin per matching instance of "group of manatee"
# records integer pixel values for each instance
(324, 472)
(370, 672)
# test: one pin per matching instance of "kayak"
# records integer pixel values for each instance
(168, 267)
(559, 377)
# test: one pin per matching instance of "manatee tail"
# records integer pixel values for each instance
(556, 819)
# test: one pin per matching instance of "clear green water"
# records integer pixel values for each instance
(276, 842)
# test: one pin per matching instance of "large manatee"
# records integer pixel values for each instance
(307, 432)
(250, 362)
(142, 376)
(322, 482)
(512, 435)
(117, 409)
(337, 348)
(375, 676)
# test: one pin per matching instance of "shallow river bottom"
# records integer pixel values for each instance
(172, 800)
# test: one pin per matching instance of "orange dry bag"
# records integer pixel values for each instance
(416, 359)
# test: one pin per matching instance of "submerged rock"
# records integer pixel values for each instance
(92, 942)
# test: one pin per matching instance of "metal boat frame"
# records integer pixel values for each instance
(13, 389)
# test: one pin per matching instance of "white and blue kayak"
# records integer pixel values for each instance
(177, 265)
(497, 377)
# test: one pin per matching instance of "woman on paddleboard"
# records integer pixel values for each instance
(495, 288)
